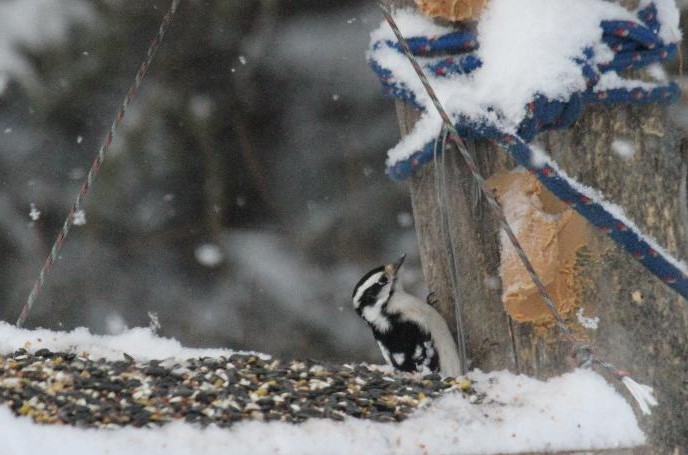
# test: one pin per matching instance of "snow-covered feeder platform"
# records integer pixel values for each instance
(137, 393)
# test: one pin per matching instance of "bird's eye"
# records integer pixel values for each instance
(383, 280)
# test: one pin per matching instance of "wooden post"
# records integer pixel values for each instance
(643, 325)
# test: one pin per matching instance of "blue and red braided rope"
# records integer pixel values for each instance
(635, 45)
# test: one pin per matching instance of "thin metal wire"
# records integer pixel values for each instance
(443, 205)
(95, 167)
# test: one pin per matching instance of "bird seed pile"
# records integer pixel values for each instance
(66, 388)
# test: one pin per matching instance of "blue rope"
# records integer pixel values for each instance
(634, 44)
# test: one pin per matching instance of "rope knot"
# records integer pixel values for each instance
(545, 114)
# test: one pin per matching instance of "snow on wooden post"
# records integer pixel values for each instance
(633, 155)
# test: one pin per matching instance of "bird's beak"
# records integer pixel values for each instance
(394, 268)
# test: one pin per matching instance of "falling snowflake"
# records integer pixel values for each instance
(209, 255)
(34, 213)
(623, 148)
(202, 107)
(115, 324)
(77, 173)
(79, 218)
(405, 219)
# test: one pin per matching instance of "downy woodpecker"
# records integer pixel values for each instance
(411, 334)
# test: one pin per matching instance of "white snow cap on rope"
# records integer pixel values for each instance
(520, 58)
(668, 16)
(642, 394)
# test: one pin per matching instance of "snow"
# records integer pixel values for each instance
(623, 148)
(539, 157)
(587, 322)
(643, 394)
(669, 16)
(79, 218)
(411, 23)
(140, 343)
(576, 411)
(34, 213)
(657, 72)
(612, 80)
(154, 324)
(520, 58)
(540, 51)
(209, 255)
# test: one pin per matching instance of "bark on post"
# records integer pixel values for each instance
(643, 325)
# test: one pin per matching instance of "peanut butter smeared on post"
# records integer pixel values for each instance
(552, 235)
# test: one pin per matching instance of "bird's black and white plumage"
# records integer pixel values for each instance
(411, 334)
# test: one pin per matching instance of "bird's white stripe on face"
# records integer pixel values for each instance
(418, 352)
(362, 288)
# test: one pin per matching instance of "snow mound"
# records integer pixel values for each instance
(141, 343)
(577, 411)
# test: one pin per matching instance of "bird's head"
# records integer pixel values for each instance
(374, 290)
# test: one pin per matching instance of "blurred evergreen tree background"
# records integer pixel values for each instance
(245, 193)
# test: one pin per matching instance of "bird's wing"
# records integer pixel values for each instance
(433, 323)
